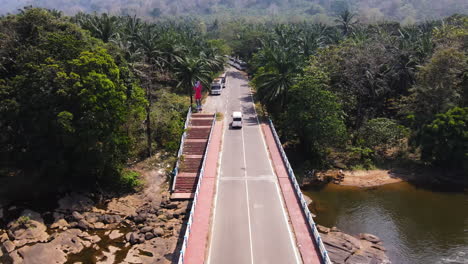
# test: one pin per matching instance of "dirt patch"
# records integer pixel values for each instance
(361, 178)
(370, 178)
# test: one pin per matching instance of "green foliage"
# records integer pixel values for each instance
(382, 132)
(314, 115)
(440, 84)
(445, 140)
(367, 77)
(220, 45)
(169, 113)
(23, 221)
(380, 74)
(63, 113)
(129, 180)
(360, 158)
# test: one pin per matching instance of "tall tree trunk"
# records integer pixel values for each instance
(148, 116)
(191, 95)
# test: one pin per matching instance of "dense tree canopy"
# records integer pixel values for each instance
(82, 96)
(64, 100)
(72, 105)
(384, 76)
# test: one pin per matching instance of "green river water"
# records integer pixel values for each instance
(417, 225)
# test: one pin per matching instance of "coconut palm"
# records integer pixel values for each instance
(280, 75)
(346, 21)
(191, 69)
(104, 27)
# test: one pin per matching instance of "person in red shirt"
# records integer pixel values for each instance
(198, 94)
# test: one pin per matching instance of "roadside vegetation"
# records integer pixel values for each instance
(364, 95)
(84, 97)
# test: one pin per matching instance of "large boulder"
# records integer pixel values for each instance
(369, 237)
(69, 242)
(28, 228)
(146, 229)
(91, 217)
(8, 246)
(114, 234)
(149, 235)
(347, 249)
(77, 216)
(83, 224)
(60, 224)
(75, 202)
(158, 231)
(124, 206)
(111, 219)
(136, 238)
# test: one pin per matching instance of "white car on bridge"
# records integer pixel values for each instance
(236, 120)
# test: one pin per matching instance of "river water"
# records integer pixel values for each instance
(417, 225)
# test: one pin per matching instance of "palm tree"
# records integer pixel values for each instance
(103, 27)
(346, 21)
(282, 70)
(191, 69)
(147, 42)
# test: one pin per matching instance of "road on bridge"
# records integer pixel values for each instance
(249, 222)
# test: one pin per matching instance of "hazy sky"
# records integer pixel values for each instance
(411, 10)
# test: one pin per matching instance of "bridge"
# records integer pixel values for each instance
(247, 206)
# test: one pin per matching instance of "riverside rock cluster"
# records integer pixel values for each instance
(129, 229)
(346, 249)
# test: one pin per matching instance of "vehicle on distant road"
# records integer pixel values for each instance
(216, 86)
(223, 79)
(236, 120)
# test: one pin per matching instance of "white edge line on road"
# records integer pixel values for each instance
(247, 194)
(280, 194)
(218, 176)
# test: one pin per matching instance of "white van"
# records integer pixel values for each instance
(216, 86)
(236, 119)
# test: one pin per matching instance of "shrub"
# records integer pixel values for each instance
(445, 140)
(23, 221)
(381, 132)
(129, 180)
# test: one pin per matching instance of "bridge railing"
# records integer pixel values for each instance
(305, 208)
(181, 148)
(195, 199)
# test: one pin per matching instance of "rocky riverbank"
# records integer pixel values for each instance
(143, 227)
(346, 249)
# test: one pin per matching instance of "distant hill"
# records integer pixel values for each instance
(407, 11)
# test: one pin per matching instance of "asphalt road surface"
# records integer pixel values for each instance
(250, 223)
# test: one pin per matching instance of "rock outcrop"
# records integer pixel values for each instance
(346, 249)
(28, 228)
(141, 227)
(72, 241)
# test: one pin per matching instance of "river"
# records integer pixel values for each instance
(417, 225)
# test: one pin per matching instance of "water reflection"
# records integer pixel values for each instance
(416, 225)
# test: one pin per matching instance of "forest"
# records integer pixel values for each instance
(323, 11)
(364, 95)
(83, 97)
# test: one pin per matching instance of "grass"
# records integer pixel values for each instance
(261, 113)
(219, 116)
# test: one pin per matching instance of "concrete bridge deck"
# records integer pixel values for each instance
(247, 211)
